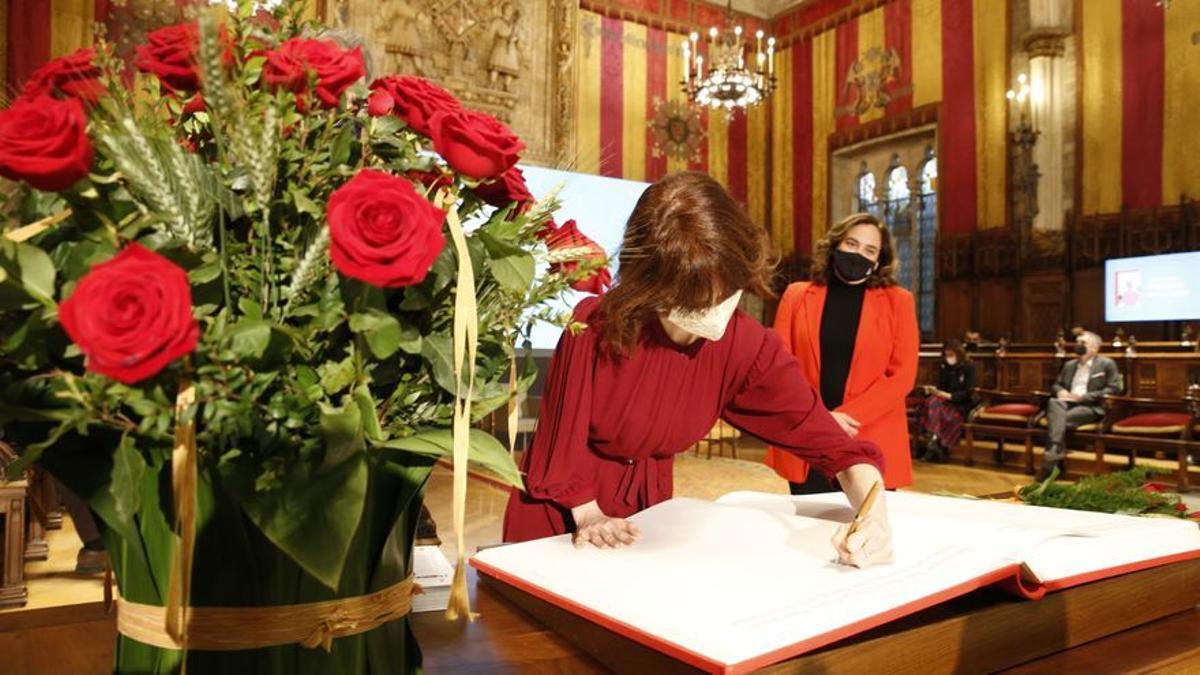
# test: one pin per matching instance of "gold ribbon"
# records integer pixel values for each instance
(513, 408)
(34, 229)
(466, 341)
(312, 625)
(183, 482)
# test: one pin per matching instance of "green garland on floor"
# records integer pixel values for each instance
(1122, 492)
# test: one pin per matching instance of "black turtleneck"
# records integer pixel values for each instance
(839, 328)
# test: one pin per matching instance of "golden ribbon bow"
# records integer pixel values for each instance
(466, 342)
(183, 482)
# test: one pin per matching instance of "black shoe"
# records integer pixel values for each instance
(1047, 469)
(931, 450)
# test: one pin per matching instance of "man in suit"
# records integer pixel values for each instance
(1078, 396)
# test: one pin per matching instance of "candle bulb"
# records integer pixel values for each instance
(712, 35)
(758, 44)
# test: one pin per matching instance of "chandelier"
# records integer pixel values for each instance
(725, 81)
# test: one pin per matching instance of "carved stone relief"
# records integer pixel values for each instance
(513, 60)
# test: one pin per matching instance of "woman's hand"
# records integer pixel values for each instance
(944, 395)
(592, 526)
(871, 543)
(847, 423)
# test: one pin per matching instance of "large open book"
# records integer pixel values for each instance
(752, 580)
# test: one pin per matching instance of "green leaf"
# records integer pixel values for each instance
(370, 418)
(383, 332)
(128, 470)
(250, 308)
(385, 126)
(438, 349)
(313, 518)
(342, 430)
(340, 153)
(512, 266)
(484, 451)
(31, 266)
(250, 338)
(304, 204)
(205, 273)
(337, 376)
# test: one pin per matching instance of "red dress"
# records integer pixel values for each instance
(609, 428)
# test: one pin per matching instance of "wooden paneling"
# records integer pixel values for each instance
(1087, 301)
(1043, 309)
(1148, 374)
(954, 308)
(996, 312)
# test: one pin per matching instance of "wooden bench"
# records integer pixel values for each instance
(12, 578)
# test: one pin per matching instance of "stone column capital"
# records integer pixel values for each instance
(1050, 42)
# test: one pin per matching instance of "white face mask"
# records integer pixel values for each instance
(710, 323)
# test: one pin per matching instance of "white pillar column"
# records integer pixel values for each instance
(1050, 24)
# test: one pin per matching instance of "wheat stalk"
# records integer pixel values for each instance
(311, 268)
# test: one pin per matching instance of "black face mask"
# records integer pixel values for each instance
(1080, 348)
(852, 266)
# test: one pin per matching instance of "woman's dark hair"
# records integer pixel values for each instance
(955, 345)
(688, 245)
(822, 262)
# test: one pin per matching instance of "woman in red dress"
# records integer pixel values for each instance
(663, 355)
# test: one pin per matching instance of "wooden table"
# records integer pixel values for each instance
(1137, 621)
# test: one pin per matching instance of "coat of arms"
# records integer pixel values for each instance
(676, 130)
(870, 81)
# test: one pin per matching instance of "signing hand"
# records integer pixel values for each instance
(592, 526)
(847, 423)
(871, 543)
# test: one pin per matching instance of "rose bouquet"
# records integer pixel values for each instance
(240, 315)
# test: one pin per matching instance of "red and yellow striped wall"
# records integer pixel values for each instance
(953, 53)
(1140, 83)
(624, 68)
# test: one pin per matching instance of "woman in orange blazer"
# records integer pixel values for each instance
(854, 331)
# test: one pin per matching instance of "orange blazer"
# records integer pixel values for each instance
(883, 370)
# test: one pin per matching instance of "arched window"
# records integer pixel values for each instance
(927, 226)
(864, 192)
(929, 173)
(897, 183)
(898, 216)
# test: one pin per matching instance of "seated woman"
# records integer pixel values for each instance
(664, 354)
(947, 404)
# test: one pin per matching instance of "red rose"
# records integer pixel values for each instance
(382, 232)
(170, 54)
(194, 105)
(131, 315)
(74, 76)
(44, 142)
(474, 143)
(335, 69)
(413, 99)
(508, 188)
(568, 240)
(379, 103)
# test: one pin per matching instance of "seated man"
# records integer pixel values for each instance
(1078, 396)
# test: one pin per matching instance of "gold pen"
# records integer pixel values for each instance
(863, 510)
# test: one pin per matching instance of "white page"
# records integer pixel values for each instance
(431, 567)
(734, 583)
(1053, 543)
